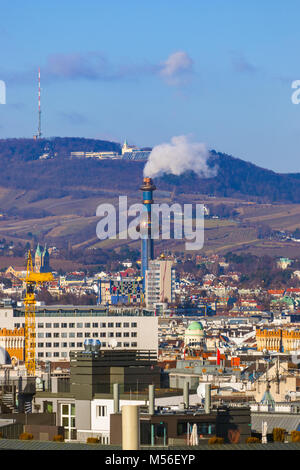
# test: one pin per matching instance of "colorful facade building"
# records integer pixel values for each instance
(12, 341)
(278, 340)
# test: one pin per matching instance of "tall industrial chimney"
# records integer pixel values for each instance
(147, 251)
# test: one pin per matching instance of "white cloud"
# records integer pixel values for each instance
(177, 67)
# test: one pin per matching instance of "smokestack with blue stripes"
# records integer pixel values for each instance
(147, 250)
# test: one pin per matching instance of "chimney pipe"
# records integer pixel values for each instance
(186, 397)
(130, 427)
(207, 402)
(116, 398)
(151, 400)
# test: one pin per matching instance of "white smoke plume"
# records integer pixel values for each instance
(178, 156)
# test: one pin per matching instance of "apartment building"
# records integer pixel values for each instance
(160, 282)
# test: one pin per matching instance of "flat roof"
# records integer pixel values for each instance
(84, 310)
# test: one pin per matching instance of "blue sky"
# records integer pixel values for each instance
(220, 71)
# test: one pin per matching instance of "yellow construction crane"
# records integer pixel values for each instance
(32, 279)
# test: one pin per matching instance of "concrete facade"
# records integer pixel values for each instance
(61, 329)
(160, 282)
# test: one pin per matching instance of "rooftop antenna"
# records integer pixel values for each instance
(39, 134)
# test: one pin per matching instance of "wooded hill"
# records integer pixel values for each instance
(61, 175)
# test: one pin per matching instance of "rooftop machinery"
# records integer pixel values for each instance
(32, 280)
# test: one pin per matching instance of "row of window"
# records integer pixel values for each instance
(65, 354)
(82, 325)
(125, 334)
(65, 345)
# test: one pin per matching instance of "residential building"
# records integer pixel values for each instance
(160, 282)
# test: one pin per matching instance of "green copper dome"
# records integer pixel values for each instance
(195, 325)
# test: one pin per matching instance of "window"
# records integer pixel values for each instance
(133, 335)
(40, 354)
(126, 325)
(79, 335)
(118, 325)
(68, 421)
(79, 345)
(134, 345)
(64, 335)
(110, 335)
(40, 335)
(55, 335)
(102, 325)
(48, 335)
(55, 325)
(126, 345)
(56, 354)
(95, 325)
(48, 325)
(126, 335)
(118, 335)
(40, 325)
(71, 325)
(71, 335)
(102, 335)
(133, 325)
(110, 325)
(79, 325)
(56, 345)
(48, 345)
(48, 354)
(95, 335)
(202, 428)
(47, 406)
(87, 325)
(64, 345)
(40, 345)
(87, 335)
(71, 345)
(101, 410)
(64, 325)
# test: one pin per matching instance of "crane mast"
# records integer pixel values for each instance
(32, 279)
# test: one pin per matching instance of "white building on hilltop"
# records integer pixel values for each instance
(127, 148)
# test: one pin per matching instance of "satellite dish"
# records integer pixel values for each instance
(201, 390)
